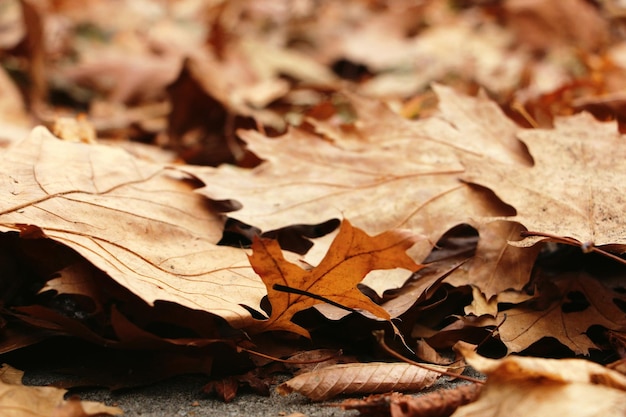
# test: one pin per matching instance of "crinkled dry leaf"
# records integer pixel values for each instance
(462, 124)
(440, 403)
(351, 256)
(142, 225)
(17, 400)
(361, 378)
(565, 313)
(577, 187)
(496, 265)
(526, 386)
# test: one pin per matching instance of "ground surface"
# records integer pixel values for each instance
(182, 396)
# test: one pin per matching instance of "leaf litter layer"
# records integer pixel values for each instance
(485, 205)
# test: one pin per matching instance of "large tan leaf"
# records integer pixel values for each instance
(351, 256)
(390, 174)
(140, 223)
(526, 386)
(577, 187)
(360, 378)
(462, 124)
(18, 400)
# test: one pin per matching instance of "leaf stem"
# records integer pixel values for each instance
(586, 247)
(295, 362)
(380, 337)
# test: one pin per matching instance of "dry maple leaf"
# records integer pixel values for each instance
(18, 400)
(350, 257)
(526, 386)
(140, 223)
(577, 187)
(360, 378)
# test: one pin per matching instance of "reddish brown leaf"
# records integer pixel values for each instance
(440, 403)
(350, 257)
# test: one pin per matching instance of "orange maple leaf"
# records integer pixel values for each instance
(351, 256)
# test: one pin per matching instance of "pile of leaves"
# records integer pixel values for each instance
(211, 186)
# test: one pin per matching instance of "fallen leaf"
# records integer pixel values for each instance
(372, 405)
(440, 403)
(527, 386)
(140, 223)
(17, 400)
(394, 174)
(462, 124)
(498, 266)
(359, 378)
(544, 24)
(564, 309)
(351, 256)
(578, 178)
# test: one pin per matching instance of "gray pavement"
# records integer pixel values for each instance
(182, 397)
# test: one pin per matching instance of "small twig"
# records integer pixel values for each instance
(492, 332)
(380, 337)
(289, 361)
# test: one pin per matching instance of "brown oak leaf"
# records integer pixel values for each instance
(577, 187)
(350, 257)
